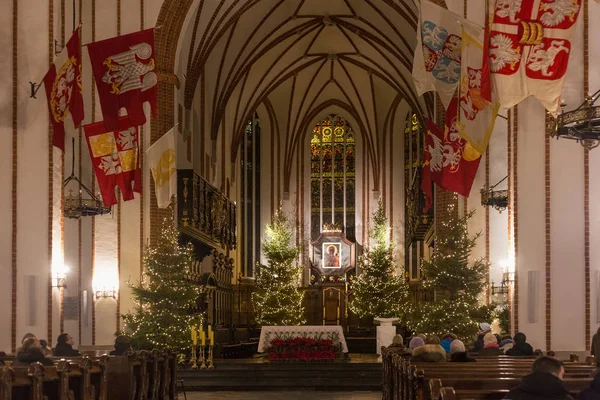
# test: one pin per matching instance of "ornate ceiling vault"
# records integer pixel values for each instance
(298, 58)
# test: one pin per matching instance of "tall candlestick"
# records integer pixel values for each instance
(209, 330)
(203, 337)
(194, 336)
(212, 338)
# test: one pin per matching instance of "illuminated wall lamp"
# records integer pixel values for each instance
(105, 292)
(59, 280)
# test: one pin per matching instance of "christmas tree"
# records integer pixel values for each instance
(276, 298)
(378, 290)
(456, 284)
(165, 298)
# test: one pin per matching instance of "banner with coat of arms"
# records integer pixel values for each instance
(125, 74)
(64, 90)
(162, 161)
(437, 60)
(530, 43)
(448, 160)
(116, 160)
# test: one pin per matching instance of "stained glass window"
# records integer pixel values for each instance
(332, 178)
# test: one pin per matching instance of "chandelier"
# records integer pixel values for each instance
(495, 198)
(76, 206)
(581, 124)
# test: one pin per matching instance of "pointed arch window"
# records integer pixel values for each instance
(250, 195)
(333, 173)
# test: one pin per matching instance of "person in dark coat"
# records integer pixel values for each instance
(520, 346)
(490, 346)
(593, 392)
(458, 353)
(544, 383)
(596, 347)
(64, 346)
(30, 352)
(122, 345)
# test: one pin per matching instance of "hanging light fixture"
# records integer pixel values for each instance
(76, 205)
(495, 198)
(581, 124)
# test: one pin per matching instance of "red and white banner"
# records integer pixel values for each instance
(449, 160)
(125, 73)
(530, 43)
(116, 159)
(63, 89)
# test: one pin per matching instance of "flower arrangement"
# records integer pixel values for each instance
(302, 349)
(333, 278)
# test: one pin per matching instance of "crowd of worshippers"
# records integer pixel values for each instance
(547, 372)
(37, 350)
(431, 348)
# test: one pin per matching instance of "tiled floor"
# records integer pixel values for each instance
(309, 395)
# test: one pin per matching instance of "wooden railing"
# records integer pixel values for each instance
(205, 213)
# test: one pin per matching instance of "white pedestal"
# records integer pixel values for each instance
(385, 333)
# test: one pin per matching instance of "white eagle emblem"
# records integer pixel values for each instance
(560, 10)
(502, 52)
(126, 72)
(508, 8)
(62, 88)
(541, 60)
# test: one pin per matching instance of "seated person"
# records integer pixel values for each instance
(490, 346)
(447, 340)
(122, 345)
(30, 352)
(520, 347)
(64, 346)
(506, 343)
(430, 352)
(484, 328)
(458, 353)
(27, 336)
(544, 383)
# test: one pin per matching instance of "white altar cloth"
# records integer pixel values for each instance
(334, 332)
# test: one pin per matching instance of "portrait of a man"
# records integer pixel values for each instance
(331, 255)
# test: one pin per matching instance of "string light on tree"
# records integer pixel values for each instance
(276, 298)
(378, 290)
(165, 298)
(457, 284)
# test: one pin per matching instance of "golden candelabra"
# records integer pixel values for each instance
(194, 358)
(211, 365)
(202, 358)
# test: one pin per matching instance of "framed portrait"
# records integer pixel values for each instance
(332, 255)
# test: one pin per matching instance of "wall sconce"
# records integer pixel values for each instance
(59, 279)
(105, 292)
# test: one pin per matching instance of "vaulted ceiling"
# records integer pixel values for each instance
(300, 57)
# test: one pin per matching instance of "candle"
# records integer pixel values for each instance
(212, 338)
(209, 330)
(194, 335)
(202, 337)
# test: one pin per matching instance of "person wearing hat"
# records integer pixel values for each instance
(458, 352)
(490, 346)
(415, 343)
(484, 328)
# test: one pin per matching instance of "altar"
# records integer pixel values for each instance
(331, 332)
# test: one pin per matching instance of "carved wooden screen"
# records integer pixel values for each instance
(333, 187)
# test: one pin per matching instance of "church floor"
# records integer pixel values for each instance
(282, 395)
